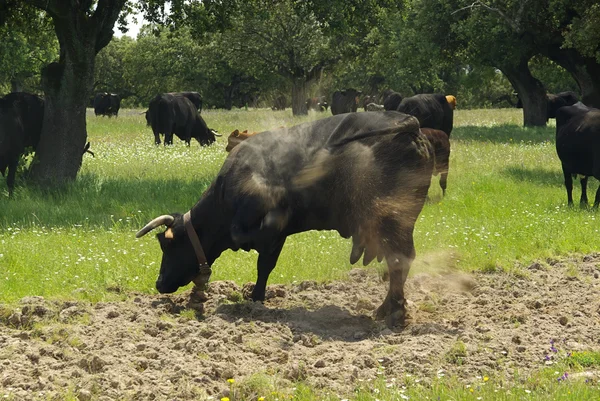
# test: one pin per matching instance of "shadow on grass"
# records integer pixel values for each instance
(537, 176)
(506, 133)
(95, 201)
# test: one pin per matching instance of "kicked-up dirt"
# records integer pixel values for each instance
(186, 346)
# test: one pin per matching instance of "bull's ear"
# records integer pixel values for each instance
(169, 233)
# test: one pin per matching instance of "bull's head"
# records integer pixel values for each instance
(181, 263)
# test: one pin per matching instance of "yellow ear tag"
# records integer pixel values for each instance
(169, 234)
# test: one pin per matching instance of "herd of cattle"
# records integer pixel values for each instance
(365, 175)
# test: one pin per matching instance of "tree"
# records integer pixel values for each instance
(83, 28)
(28, 43)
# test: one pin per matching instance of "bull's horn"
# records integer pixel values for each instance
(165, 219)
(215, 133)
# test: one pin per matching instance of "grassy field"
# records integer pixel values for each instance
(505, 207)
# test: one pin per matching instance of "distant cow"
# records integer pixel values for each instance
(236, 137)
(279, 103)
(432, 110)
(451, 101)
(368, 100)
(391, 100)
(441, 148)
(21, 118)
(365, 175)
(578, 147)
(107, 104)
(317, 103)
(345, 101)
(194, 97)
(175, 114)
(555, 102)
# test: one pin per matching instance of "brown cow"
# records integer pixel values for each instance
(236, 137)
(441, 148)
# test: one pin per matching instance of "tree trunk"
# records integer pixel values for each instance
(299, 97)
(585, 71)
(67, 87)
(15, 85)
(82, 32)
(531, 92)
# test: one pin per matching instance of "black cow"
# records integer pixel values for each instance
(345, 101)
(21, 118)
(365, 175)
(555, 102)
(578, 147)
(175, 114)
(391, 100)
(194, 97)
(441, 148)
(432, 110)
(107, 104)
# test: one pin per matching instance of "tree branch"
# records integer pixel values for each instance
(515, 24)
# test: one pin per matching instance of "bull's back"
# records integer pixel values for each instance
(578, 140)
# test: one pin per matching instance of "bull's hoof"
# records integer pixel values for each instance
(393, 313)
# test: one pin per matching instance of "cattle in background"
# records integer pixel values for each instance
(236, 137)
(175, 114)
(194, 97)
(107, 104)
(555, 102)
(432, 110)
(279, 103)
(451, 101)
(21, 118)
(368, 99)
(578, 148)
(345, 101)
(317, 103)
(365, 175)
(391, 100)
(441, 148)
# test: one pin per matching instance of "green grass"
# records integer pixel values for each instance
(505, 207)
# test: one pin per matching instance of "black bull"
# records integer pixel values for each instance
(21, 118)
(175, 114)
(365, 175)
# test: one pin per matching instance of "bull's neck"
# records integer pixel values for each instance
(205, 218)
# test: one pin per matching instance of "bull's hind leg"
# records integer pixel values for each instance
(393, 309)
(583, 202)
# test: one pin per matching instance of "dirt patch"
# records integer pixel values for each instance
(185, 347)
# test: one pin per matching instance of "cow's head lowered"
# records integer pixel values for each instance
(183, 259)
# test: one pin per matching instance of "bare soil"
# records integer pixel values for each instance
(185, 346)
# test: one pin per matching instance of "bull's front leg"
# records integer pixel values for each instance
(583, 202)
(568, 186)
(393, 308)
(267, 259)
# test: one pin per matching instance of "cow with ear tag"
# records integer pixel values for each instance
(365, 175)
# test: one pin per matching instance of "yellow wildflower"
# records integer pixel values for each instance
(225, 399)
(261, 398)
(471, 390)
(230, 381)
(485, 378)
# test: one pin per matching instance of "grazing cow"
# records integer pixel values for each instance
(451, 101)
(345, 101)
(365, 175)
(236, 137)
(175, 114)
(578, 148)
(21, 118)
(317, 103)
(194, 97)
(555, 102)
(441, 148)
(107, 104)
(391, 100)
(432, 110)
(279, 103)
